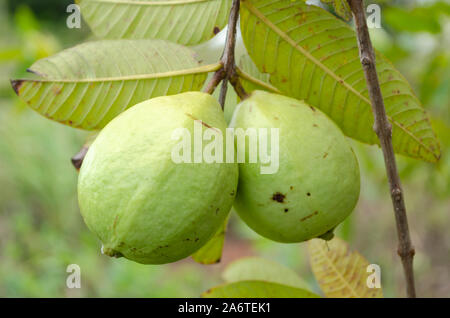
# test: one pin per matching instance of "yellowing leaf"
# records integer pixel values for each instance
(311, 55)
(261, 269)
(211, 252)
(341, 273)
(186, 22)
(88, 85)
(341, 7)
(257, 289)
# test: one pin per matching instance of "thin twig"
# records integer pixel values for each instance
(215, 80)
(238, 88)
(228, 59)
(228, 72)
(383, 129)
(78, 158)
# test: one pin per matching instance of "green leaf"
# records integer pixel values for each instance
(261, 269)
(257, 289)
(435, 81)
(211, 252)
(88, 85)
(186, 22)
(426, 19)
(251, 78)
(340, 272)
(341, 8)
(312, 55)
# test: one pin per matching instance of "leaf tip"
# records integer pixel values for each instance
(16, 85)
(206, 293)
(29, 70)
(206, 261)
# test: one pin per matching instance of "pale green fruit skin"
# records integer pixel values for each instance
(318, 172)
(139, 202)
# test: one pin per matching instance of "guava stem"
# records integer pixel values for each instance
(111, 252)
(228, 71)
(383, 129)
(327, 236)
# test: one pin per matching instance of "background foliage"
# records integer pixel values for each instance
(41, 231)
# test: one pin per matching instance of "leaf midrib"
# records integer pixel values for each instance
(195, 70)
(339, 275)
(256, 81)
(147, 3)
(341, 81)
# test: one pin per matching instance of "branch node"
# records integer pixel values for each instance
(396, 192)
(366, 60)
(406, 253)
(227, 73)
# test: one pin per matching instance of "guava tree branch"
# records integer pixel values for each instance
(383, 129)
(228, 72)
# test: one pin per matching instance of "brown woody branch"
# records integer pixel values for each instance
(383, 129)
(228, 71)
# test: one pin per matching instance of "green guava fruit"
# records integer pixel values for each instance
(139, 202)
(317, 183)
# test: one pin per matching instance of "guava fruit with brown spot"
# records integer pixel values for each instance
(317, 182)
(141, 203)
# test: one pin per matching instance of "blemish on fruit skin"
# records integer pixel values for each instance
(286, 210)
(312, 108)
(115, 223)
(291, 187)
(308, 194)
(325, 155)
(279, 197)
(217, 211)
(309, 216)
(201, 121)
(216, 30)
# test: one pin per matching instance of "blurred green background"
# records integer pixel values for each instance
(41, 230)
